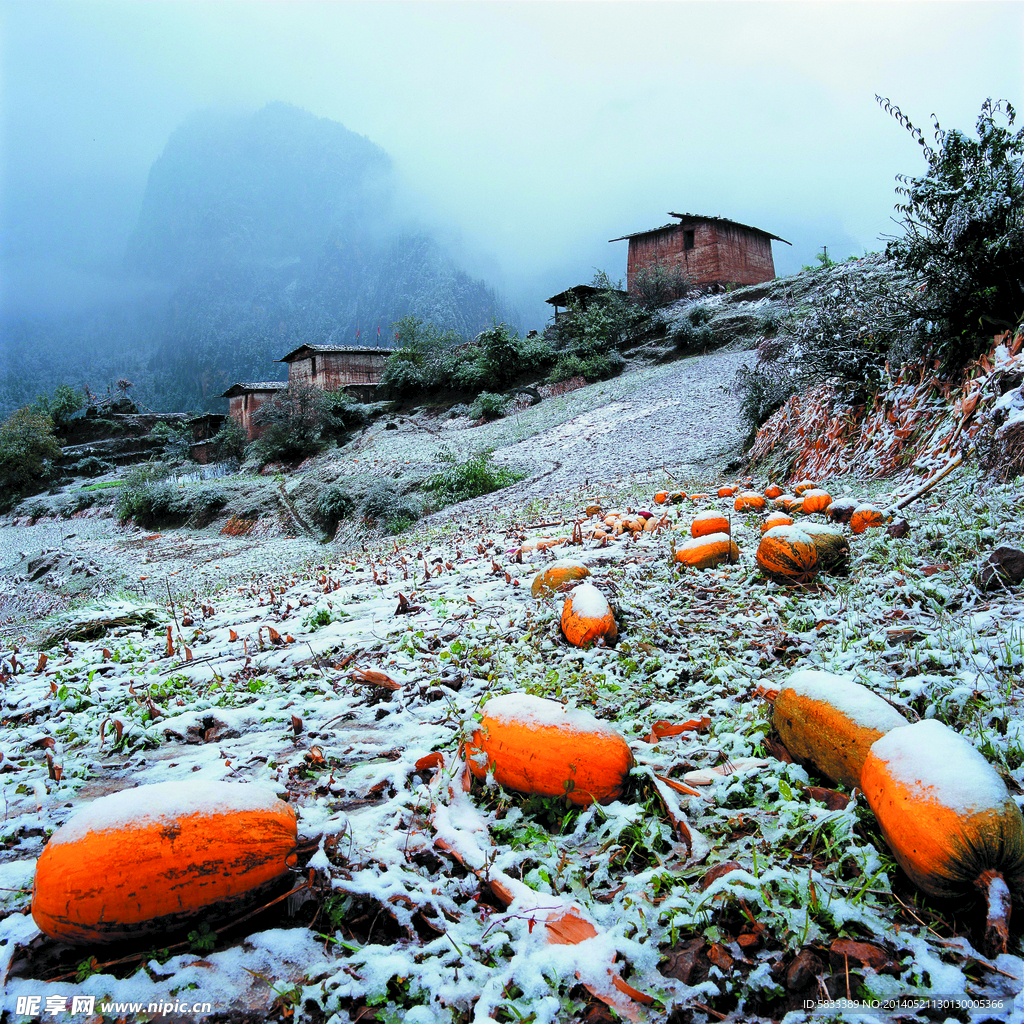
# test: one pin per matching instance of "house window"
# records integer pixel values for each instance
(688, 239)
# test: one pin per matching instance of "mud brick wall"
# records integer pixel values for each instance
(242, 407)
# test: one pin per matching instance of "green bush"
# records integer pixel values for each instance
(489, 406)
(659, 284)
(699, 314)
(385, 507)
(302, 420)
(176, 439)
(28, 450)
(692, 337)
(230, 442)
(332, 505)
(61, 405)
(460, 481)
(90, 466)
(963, 235)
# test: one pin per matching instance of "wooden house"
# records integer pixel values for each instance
(708, 251)
(245, 399)
(356, 368)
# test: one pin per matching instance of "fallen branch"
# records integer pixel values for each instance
(930, 483)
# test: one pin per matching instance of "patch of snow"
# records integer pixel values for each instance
(164, 801)
(855, 701)
(932, 760)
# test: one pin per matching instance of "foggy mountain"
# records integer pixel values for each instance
(263, 232)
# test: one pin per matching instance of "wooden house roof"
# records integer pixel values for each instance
(303, 351)
(579, 292)
(699, 217)
(248, 388)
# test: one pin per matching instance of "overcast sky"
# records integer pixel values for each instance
(538, 130)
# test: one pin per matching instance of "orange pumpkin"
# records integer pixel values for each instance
(709, 522)
(587, 616)
(535, 745)
(557, 575)
(776, 519)
(804, 485)
(155, 859)
(784, 502)
(831, 544)
(948, 818)
(816, 501)
(726, 492)
(831, 722)
(708, 551)
(749, 500)
(865, 516)
(661, 497)
(772, 491)
(787, 554)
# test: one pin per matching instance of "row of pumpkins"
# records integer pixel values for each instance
(152, 860)
(155, 859)
(787, 552)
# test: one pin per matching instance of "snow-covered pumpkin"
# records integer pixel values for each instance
(802, 486)
(831, 721)
(831, 544)
(661, 497)
(948, 818)
(155, 859)
(816, 501)
(586, 616)
(708, 551)
(784, 502)
(841, 510)
(776, 519)
(709, 522)
(749, 501)
(866, 516)
(556, 576)
(536, 745)
(772, 491)
(787, 554)
(726, 492)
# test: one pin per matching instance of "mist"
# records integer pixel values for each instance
(524, 135)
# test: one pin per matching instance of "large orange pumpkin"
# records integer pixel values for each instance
(749, 500)
(787, 554)
(816, 501)
(865, 516)
(776, 519)
(831, 544)
(726, 492)
(707, 552)
(535, 745)
(587, 616)
(948, 818)
(831, 722)
(152, 860)
(709, 522)
(556, 576)
(772, 491)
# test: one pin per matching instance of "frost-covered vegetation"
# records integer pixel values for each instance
(401, 921)
(948, 282)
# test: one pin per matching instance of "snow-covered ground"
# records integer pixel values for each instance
(269, 680)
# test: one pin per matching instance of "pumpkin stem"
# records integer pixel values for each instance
(997, 924)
